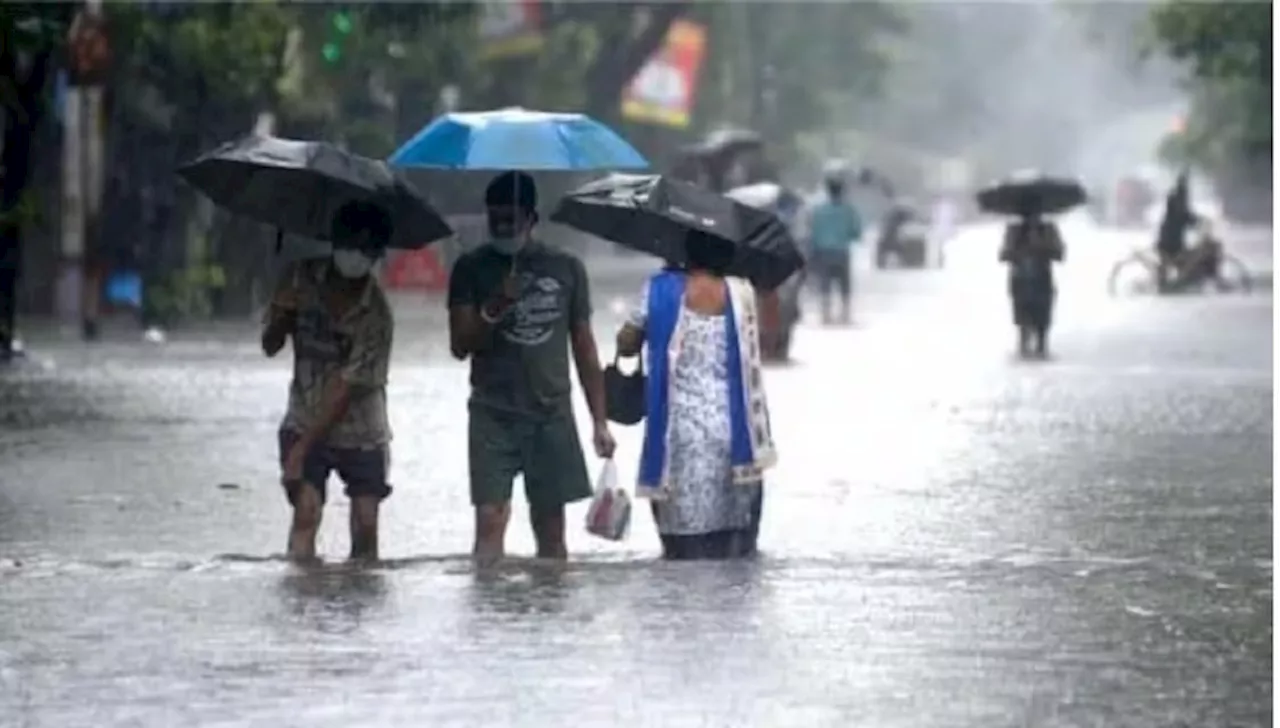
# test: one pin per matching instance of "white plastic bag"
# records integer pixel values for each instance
(610, 513)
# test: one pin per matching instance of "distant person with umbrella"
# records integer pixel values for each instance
(834, 228)
(516, 308)
(333, 310)
(1031, 246)
(707, 435)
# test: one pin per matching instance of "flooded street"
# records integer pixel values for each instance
(952, 538)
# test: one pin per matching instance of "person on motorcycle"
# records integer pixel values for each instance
(1031, 246)
(1171, 238)
(834, 228)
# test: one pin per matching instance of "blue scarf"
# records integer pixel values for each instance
(666, 300)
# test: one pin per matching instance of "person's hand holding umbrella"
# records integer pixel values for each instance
(282, 318)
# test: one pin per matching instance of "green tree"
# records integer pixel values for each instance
(365, 72)
(31, 35)
(1227, 49)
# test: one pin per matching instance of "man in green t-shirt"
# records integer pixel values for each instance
(516, 308)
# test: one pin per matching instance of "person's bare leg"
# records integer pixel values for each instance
(307, 509)
(846, 295)
(1042, 341)
(491, 532)
(1024, 341)
(364, 528)
(548, 532)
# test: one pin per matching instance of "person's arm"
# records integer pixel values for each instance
(855, 225)
(364, 372)
(1057, 250)
(630, 339)
(471, 317)
(281, 315)
(1006, 248)
(586, 357)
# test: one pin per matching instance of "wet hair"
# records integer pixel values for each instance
(512, 189)
(359, 216)
(704, 251)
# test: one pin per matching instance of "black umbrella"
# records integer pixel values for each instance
(1031, 194)
(654, 214)
(298, 186)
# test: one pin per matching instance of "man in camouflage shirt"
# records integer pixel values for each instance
(341, 326)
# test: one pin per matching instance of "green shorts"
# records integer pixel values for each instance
(545, 449)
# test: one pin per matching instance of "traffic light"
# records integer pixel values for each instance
(340, 27)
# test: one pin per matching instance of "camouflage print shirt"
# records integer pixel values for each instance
(356, 347)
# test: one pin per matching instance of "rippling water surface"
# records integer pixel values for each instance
(952, 539)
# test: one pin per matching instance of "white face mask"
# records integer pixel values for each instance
(352, 263)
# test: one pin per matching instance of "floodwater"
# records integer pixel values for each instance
(952, 538)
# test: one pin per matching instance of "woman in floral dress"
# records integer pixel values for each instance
(706, 492)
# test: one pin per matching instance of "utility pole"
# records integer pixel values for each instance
(70, 289)
(94, 182)
(79, 281)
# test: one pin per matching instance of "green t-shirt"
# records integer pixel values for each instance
(526, 369)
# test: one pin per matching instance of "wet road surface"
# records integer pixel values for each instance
(953, 538)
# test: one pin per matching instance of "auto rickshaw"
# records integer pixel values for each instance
(904, 238)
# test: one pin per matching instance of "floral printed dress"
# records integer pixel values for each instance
(704, 501)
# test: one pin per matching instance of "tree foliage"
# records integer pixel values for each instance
(790, 69)
(1227, 49)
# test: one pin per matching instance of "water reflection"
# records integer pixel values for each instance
(519, 588)
(333, 599)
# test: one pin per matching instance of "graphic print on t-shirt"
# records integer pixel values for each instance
(540, 306)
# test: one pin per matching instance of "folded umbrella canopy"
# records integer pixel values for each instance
(1031, 193)
(727, 141)
(654, 214)
(298, 186)
(518, 138)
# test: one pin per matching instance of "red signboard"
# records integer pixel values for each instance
(415, 270)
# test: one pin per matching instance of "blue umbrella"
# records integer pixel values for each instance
(518, 139)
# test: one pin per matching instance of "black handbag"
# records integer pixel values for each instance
(624, 394)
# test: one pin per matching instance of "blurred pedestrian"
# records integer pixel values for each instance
(341, 326)
(1031, 246)
(707, 438)
(943, 225)
(516, 308)
(1171, 239)
(834, 228)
